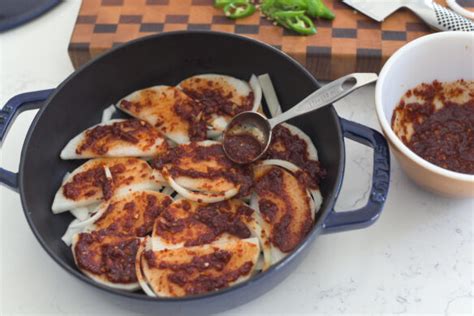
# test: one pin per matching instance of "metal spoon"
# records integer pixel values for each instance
(247, 125)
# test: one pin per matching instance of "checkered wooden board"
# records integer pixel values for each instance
(352, 42)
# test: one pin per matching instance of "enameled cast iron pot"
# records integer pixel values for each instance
(166, 59)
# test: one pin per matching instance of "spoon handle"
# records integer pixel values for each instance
(325, 95)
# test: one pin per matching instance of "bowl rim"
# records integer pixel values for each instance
(386, 126)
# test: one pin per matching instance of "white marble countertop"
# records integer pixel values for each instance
(416, 259)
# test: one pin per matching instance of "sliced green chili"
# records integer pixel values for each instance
(296, 21)
(221, 3)
(291, 5)
(301, 24)
(317, 9)
(239, 9)
(292, 14)
(268, 7)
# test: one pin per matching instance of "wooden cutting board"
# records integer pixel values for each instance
(350, 43)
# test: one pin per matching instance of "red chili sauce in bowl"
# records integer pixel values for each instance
(436, 121)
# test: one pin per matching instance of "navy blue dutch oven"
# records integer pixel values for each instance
(166, 59)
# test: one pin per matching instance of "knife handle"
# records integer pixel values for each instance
(440, 18)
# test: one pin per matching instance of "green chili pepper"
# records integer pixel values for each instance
(296, 21)
(291, 5)
(287, 14)
(268, 7)
(291, 14)
(221, 3)
(317, 9)
(301, 24)
(239, 9)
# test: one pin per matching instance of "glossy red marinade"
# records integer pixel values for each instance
(99, 138)
(444, 137)
(292, 148)
(183, 274)
(281, 235)
(243, 148)
(237, 174)
(115, 260)
(94, 178)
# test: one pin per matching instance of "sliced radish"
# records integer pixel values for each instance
(281, 163)
(264, 235)
(316, 197)
(138, 269)
(120, 286)
(71, 232)
(201, 197)
(149, 141)
(167, 190)
(80, 213)
(257, 92)
(83, 213)
(108, 113)
(312, 151)
(269, 93)
(219, 123)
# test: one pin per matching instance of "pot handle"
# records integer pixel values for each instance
(14, 106)
(368, 214)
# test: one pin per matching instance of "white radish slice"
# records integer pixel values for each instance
(66, 176)
(90, 220)
(158, 106)
(195, 157)
(201, 197)
(204, 185)
(317, 200)
(281, 163)
(83, 213)
(213, 134)
(271, 254)
(257, 92)
(239, 88)
(129, 174)
(200, 227)
(138, 269)
(288, 200)
(242, 252)
(219, 123)
(264, 234)
(312, 154)
(108, 113)
(316, 197)
(178, 197)
(312, 151)
(260, 264)
(160, 244)
(229, 88)
(269, 93)
(120, 286)
(167, 190)
(159, 177)
(149, 141)
(80, 213)
(108, 173)
(127, 213)
(71, 232)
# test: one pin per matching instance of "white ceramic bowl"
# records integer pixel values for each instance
(444, 56)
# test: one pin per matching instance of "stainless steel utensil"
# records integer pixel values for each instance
(260, 128)
(435, 15)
